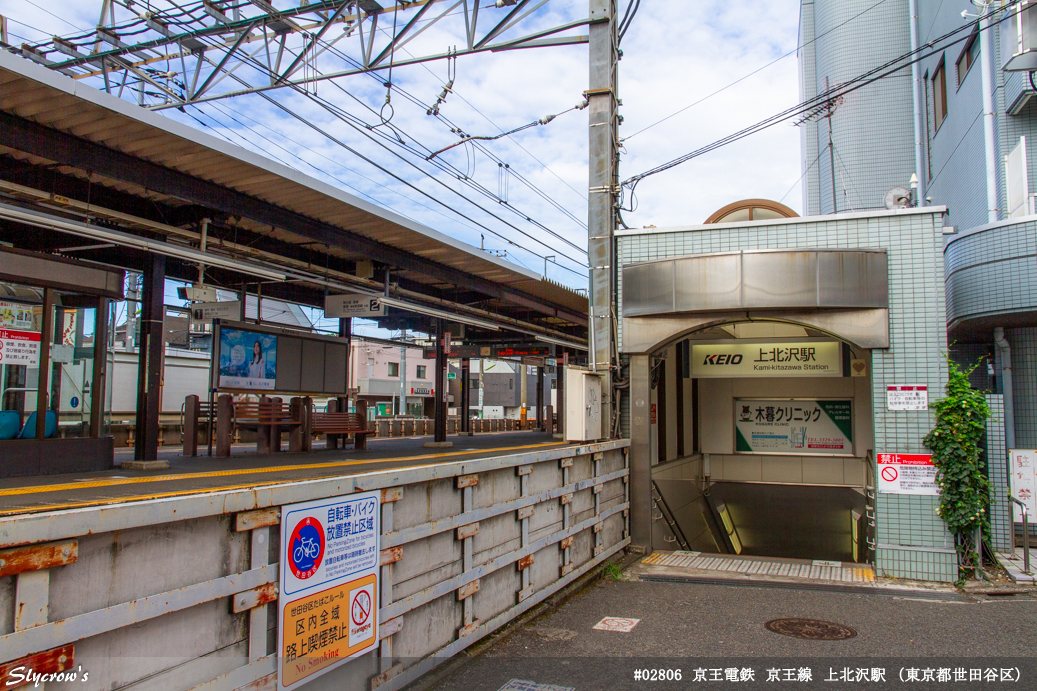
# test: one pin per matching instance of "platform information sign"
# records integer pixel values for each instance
(328, 601)
(794, 426)
(1023, 482)
(907, 473)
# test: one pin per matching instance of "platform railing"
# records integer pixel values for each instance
(174, 592)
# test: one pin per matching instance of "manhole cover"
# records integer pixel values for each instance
(810, 629)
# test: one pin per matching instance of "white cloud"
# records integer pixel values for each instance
(674, 55)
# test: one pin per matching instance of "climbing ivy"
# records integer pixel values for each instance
(955, 442)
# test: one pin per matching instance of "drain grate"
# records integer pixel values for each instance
(810, 629)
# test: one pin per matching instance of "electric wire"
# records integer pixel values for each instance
(882, 71)
(371, 132)
(754, 72)
(188, 11)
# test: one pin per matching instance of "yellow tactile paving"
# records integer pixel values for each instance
(761, 566)
(114, 482)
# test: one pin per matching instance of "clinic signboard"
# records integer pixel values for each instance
(328, 599)
(801, 427)
(248, 360)
(785, 359)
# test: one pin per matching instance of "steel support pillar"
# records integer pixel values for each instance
(602, 96)
(441, 393)
(345, 332)
(149, 359)
(43, 385)
(99, 379)
(540, 399)
(466, 397)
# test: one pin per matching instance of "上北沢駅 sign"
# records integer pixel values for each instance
(803, 359)
(794, 426)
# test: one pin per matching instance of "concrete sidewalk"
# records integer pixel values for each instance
(686, 624)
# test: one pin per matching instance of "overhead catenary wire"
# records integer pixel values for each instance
(882, 71)
(371, 132)
(754, 72)
(192, 12)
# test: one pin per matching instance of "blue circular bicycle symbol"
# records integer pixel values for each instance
(306, 548)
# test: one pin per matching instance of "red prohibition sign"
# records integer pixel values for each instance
(889, 474)
(361, 609)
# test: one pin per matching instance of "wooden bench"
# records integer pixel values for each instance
(340, 424)
(267, 416)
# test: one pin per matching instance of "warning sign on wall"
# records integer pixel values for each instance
(907, 473)
(914, 397)
(1023, 482)
(328, 602)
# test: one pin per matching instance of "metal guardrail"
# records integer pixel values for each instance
(1026, 535)
(523, 526)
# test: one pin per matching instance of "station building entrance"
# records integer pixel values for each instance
(759, 443)
(759, 355)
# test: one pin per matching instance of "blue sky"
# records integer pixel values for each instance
(672, 59)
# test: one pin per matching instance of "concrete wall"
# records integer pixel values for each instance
(147, 604)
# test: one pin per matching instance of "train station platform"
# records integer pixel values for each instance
(186, 476)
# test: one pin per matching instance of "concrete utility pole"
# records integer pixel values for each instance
(603, 97)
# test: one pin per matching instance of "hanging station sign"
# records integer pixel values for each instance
(328, 598)
(802, 427)
(804, 359)
(341, 306)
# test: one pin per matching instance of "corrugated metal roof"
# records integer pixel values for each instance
(38, 94)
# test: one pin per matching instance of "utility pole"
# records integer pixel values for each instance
(603, 98)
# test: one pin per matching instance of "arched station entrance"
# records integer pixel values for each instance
(760, 432)
(751, 397)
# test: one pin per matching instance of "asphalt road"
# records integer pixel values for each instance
(691, 626)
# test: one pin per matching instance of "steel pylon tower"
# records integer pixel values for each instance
(173, 54)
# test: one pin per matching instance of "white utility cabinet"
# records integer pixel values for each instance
(582, 405)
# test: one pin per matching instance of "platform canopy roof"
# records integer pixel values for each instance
(137, 160)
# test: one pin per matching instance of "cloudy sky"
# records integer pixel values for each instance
(676, 55)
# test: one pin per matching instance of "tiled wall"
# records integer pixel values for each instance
(912, 540)
(1024, 385)
(872, 127)
(997, 470)
(992, 271)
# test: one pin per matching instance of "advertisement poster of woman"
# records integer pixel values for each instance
(247, 360)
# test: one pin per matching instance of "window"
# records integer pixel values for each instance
(967, 58)
(421, 372)
(511, 384)
(473, 383)
(394, 369)
(927, 106)
(940, 94)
